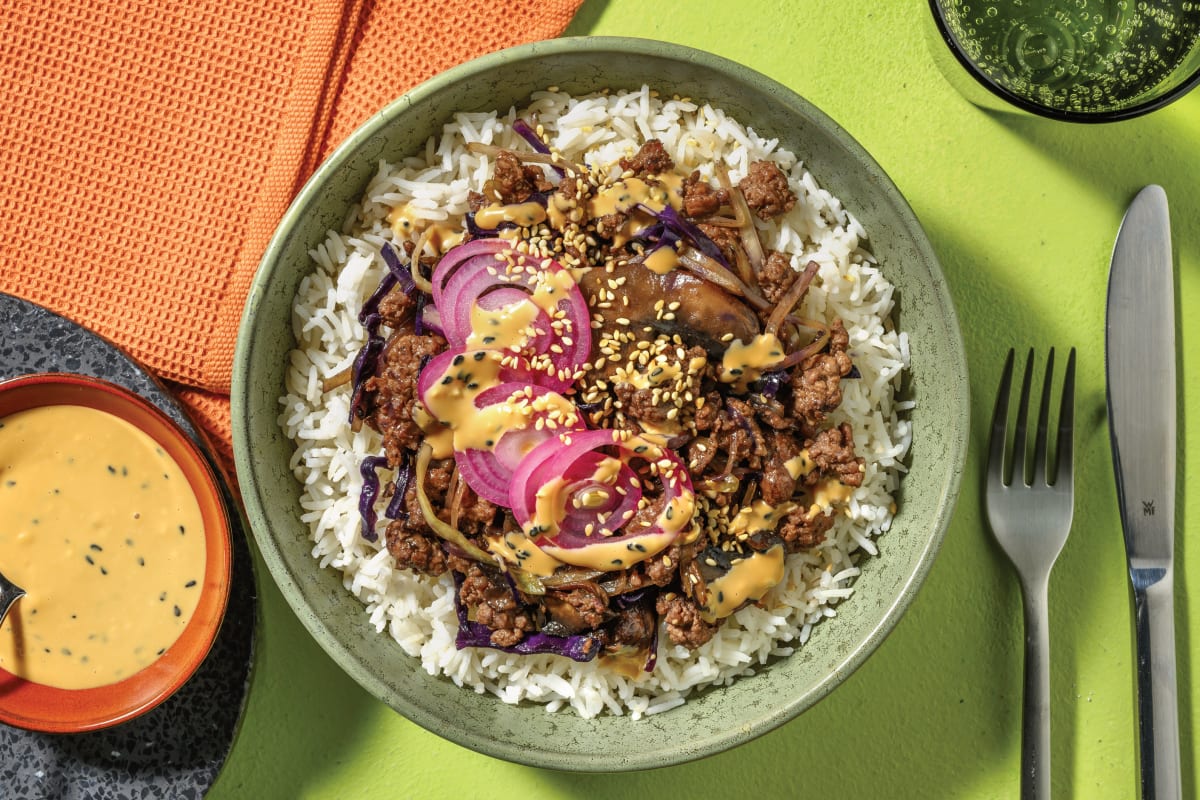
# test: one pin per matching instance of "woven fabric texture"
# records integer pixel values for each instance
(149, 147)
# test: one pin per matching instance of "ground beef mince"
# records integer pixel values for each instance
(700, 199)
(651, 159)
(777, 484)
(802, 530)
(660, 569)
(817, 384)
(396, 308)
(514, 182)
(685, 626)
(488, 595)
(708, 415)
(776, 276)
(727, 240)
(832, 452)
(641, 404)
(739, 435)
(577, 607)
(633, 628)
(413, 550)
(766, 190)
(609, 225)
(393, 392)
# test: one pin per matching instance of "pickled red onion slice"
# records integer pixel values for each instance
(489, 473)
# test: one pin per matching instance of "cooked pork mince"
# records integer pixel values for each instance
(594, 420)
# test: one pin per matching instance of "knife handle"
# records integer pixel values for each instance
(1157, 693)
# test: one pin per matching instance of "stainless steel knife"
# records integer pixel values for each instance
(1140, 364)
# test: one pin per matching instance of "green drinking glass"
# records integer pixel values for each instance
(1073, 60)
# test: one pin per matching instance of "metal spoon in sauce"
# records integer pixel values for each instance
(9, 594)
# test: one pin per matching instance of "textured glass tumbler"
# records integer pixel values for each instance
(1073, 60)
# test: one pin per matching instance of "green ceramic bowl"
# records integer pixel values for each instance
(711, 721)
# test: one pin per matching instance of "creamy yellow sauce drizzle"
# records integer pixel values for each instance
(799, 465)
(100, 526)
(661, 261)
(624, 196)
(612, 555)
(507, 327)
(453, 421)
(759, 516)
(519, 550)
(524, 214)
(830, 492)
(745, 362)
(748, 580)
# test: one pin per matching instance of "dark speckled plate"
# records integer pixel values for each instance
(177, 749)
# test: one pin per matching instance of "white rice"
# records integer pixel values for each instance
(418, 612)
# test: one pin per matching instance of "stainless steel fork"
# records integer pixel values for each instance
(1029, 507)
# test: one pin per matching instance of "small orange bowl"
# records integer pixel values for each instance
(40, 707)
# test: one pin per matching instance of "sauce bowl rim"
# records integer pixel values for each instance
(49, 709)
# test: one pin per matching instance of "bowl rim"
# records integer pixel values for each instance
(326, 636)
(81, 710)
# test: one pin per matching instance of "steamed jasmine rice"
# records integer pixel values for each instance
(417, 611)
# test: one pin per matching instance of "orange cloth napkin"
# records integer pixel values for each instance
(149, 147)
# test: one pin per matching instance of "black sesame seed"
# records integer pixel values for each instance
(189, 584)
(457, 360)
(480, 355)
(89, 560)
(446, 381)
(97, 548)
(176, 611)
(112, 470)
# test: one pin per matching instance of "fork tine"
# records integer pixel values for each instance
(1039, 444)
(1000, 423)
(1064, 472)
(1019, 434)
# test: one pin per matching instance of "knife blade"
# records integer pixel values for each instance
(1140, 385)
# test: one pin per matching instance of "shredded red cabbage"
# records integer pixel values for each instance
(672, 227)
(526, 132)
(364, 367)
(395, 508)
(772, 382)
(401, 271)
(370, 491)
(523, 129)
(580, 647)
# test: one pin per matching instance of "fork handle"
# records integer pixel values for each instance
(1158, 715)
(1035, 724)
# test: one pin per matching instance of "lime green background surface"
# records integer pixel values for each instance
(1022, 213)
